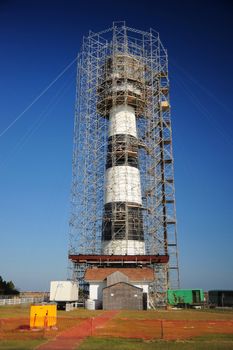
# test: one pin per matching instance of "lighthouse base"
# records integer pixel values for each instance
(123, 247)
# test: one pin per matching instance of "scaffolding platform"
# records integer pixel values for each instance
(119, 259)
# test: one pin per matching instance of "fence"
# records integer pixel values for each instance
(18, 301)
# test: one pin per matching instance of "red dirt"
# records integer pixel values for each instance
(71, 338)
(72, 330)
(162, 329)
(18, 328)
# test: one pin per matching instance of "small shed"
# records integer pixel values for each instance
(221, 298)
(122, 295)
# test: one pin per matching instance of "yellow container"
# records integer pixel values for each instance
(43, 316)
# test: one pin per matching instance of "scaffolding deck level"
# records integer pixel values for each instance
(116, 259)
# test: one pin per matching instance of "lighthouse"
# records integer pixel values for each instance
(123, 208)
(122, 91)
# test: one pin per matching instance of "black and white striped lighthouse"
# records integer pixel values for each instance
(122, 100)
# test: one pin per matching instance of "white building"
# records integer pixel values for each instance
(99, 278)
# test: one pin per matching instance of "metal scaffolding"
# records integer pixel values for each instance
(142, 62)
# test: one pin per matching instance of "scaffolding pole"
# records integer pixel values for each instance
(107, 59)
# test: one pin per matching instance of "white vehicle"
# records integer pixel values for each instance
(64, 293)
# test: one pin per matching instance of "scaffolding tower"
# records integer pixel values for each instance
(137, 58)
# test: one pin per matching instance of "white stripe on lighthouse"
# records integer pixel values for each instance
(123, 185)
(122, 120)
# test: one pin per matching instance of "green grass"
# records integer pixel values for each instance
(14, 311)
(20, 344)
(80, 313)
(214, 342)
(11, 311)
(208, 314)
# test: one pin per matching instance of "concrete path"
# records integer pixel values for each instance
(71, 338)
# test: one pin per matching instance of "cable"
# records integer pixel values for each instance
(38, 97)
(38, 122)
(195, 81)
(204, 111)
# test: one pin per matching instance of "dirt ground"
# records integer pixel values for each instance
(162, 329)
(73, 327)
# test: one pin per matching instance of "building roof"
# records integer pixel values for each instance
(125, 284)
(144, 274)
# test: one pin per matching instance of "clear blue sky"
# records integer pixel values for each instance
(38, 39)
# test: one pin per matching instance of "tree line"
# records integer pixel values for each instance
(7, 288)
